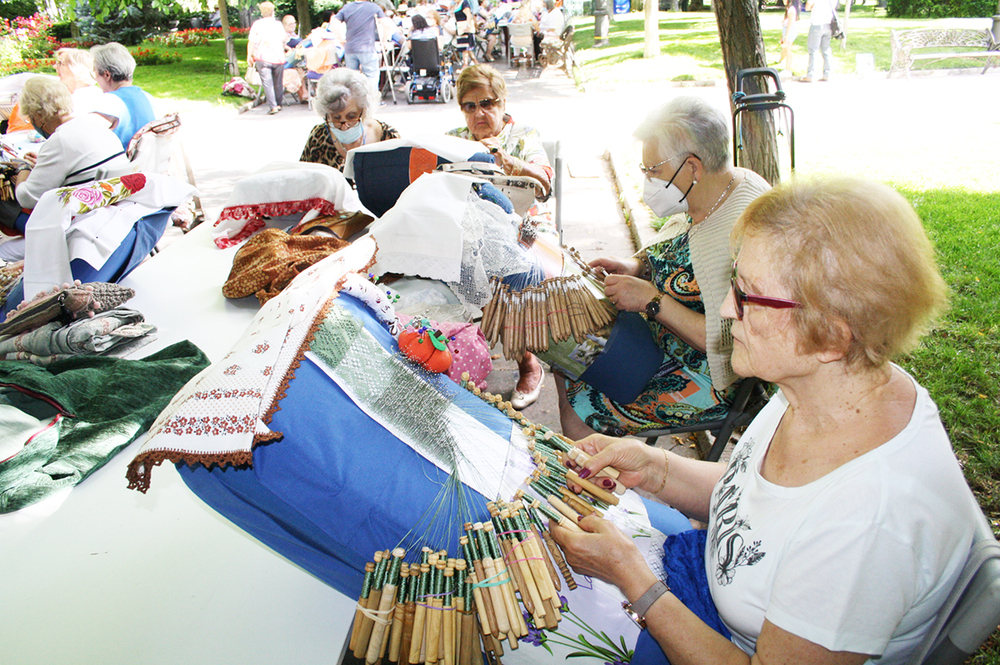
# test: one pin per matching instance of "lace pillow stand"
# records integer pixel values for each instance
(522, 190)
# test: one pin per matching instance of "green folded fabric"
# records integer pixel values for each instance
(104, 405)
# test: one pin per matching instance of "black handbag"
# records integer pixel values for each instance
(835, 31)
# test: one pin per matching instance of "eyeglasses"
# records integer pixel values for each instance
(741, 298)
(485, 104)
(343, 124)
(646, 170)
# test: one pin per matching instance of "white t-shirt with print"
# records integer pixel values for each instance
(859, 560)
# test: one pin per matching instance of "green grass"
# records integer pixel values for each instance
(198, 76)
(957, 361)
(689, 46)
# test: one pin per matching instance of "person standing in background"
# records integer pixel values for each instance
(359, 49)
(789, 30)
(266, 53)
(820, 15)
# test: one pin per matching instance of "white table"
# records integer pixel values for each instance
(104, 574)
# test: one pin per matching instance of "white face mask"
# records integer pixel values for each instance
(349, 135)
(665, 198)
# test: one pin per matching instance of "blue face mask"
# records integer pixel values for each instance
(349, 135)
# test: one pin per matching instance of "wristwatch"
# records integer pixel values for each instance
(637, 610)
(653, 307)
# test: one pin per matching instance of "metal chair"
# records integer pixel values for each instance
(972, 611)
(552, 151)
(750, 398)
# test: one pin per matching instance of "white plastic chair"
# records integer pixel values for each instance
(522, 41)
(552, 151)
(972, 611)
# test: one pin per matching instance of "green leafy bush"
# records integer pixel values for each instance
(940, 8)
(182, 38)
(146, 57)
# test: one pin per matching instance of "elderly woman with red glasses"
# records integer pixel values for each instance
(842, 519)
(679, 281)
(517, 149)
(345, 100)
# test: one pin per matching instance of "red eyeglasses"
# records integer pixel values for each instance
(741, 298)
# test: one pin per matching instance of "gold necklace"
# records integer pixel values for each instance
(722, 196)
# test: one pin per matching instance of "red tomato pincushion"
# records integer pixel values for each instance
(426, 347)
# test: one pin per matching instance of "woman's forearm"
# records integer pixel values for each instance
(686, 323)
(683, 483)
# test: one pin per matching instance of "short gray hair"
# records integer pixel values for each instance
(340, 86)
(114, 59)
(689, 125)
(43, 98)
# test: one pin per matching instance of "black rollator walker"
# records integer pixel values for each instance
(769, 98)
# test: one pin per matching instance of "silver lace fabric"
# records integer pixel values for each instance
(385, 387)
(489, 249)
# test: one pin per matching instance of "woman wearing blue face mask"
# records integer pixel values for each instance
(344, 99)
(677, 282)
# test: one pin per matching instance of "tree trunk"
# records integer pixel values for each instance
(232, 62)
(743, 48)
(651, 43)
(305, 22)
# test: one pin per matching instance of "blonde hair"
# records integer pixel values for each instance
(266, 8)
(80, 63)
(852, 251)
(481, 76)
(43, 99)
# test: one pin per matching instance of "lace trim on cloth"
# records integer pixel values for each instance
(219, 416)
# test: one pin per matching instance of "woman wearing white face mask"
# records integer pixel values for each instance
(344, 99)
(679, 283)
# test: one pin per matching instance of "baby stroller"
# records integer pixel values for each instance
(429, 77)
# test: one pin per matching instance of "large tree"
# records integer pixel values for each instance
(232, 59)
(651, 42)
(743, 48)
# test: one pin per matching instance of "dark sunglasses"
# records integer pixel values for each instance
(484, 104)
(741, 299)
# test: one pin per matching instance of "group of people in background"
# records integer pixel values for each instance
(357, 34)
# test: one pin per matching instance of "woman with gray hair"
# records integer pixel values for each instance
(344, 99)
(678, 283)
(127, 106)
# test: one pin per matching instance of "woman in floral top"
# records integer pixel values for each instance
(344, 99)
(518, 150)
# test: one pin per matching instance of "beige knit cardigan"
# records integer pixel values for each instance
(712, 259)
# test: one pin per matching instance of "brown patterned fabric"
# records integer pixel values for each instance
(270, 260)
(321, 149)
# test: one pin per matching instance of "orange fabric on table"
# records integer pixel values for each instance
(17, 122)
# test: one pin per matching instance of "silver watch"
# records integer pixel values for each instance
(637, 610)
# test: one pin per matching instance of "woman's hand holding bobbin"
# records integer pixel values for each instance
(602, 551)
(635, 462)
(617, 266)
(629, 294)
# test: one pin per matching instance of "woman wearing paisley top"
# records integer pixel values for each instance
(679, 282)
(344, 99)
(518, 150)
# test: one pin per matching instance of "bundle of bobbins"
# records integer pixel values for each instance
(556, 309)
(446, 610)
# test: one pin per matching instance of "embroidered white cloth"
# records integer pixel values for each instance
(281, 188)
(422, 234)
(218, 417)
(89, 222)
